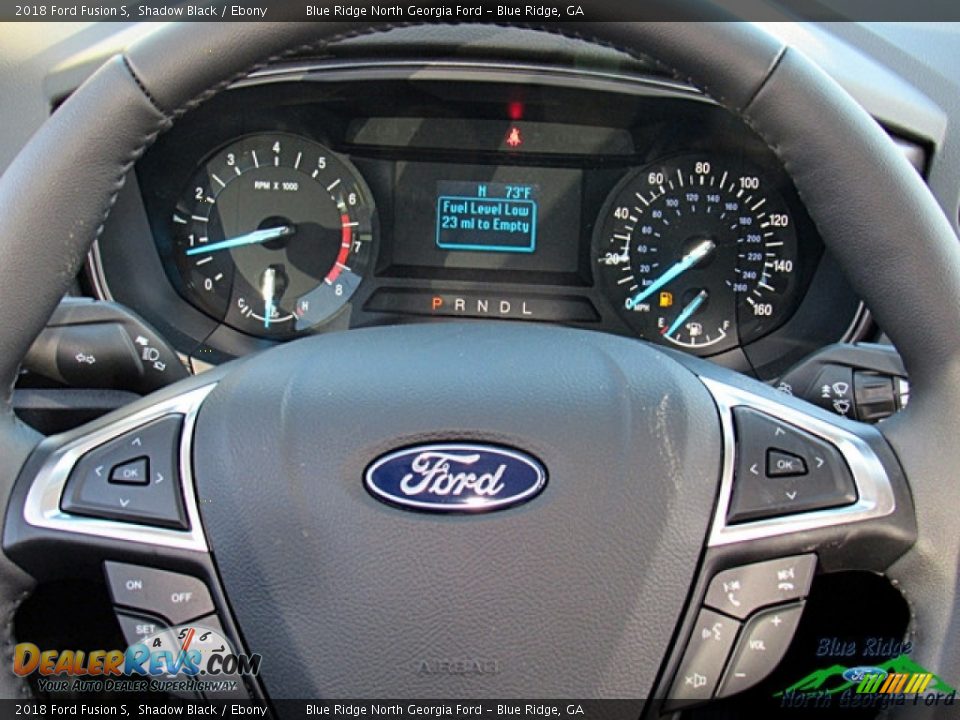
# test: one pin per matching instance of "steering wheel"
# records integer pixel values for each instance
(595, 586)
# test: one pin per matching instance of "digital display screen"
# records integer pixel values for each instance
(486, 217)
(450, 219)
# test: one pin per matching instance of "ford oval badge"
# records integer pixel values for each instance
(856, 674)
(455, 477)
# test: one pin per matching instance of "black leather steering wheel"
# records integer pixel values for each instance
(583, 590)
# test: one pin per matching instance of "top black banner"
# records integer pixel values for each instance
(484, 11)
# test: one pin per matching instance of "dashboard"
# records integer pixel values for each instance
(328, 195)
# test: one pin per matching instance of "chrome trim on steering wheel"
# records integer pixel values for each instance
(874, 492)
(42, 506)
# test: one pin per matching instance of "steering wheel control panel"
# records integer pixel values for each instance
(164, 609)
(133, 477)
(748, 620)
(782, 470)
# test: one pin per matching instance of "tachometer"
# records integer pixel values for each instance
(696, 255)
(273, 234)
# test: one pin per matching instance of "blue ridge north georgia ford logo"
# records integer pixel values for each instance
(455, 477)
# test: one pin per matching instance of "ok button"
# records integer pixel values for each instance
(784, 464)
(135, 472)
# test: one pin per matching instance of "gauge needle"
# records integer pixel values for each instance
(251, 238)
(686, 313)
(698, 253)
(267, 290)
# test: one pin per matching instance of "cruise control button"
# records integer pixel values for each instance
(135, 472)
(782, 469)
(133, 478)
(740, 591)
(136, 628)
(178, 598)
(703, 661)
(762, 645)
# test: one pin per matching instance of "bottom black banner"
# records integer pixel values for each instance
(302, 709)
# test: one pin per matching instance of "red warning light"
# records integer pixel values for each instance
(513, 137)
(515, 110)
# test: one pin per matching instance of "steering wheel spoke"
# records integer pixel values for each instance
(116, 501)
(801, 491)
(128, 480)
(787, 471)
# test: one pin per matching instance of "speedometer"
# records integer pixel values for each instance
(273, 234)
(696, 255)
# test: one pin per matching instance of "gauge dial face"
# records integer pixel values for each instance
(696, 255)
(273, 234)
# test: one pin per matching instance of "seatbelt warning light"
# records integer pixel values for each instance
(666, 299)
(513, 137)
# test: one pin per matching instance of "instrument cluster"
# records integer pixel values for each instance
(333, 198)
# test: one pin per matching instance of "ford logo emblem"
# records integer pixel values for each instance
(455, 477)
(856, 674)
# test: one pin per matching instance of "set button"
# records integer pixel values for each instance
(137, 628)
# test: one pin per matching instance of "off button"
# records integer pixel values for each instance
(178, 598)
